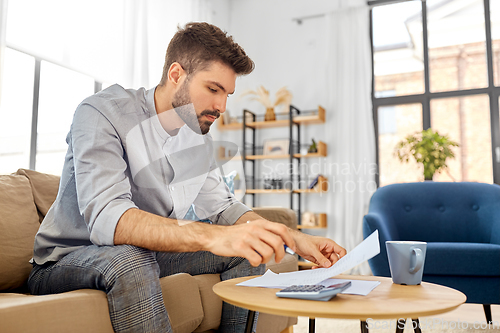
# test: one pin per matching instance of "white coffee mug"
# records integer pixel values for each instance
(406, 261)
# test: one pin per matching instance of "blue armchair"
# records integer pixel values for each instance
(459, 221)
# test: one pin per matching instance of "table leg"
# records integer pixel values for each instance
(400, 328)
(312, 325)
(250, 320)
(364, 327)
(416, 325)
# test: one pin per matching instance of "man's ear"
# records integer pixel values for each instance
(176, 73)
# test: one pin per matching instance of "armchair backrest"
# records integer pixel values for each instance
(441, 211)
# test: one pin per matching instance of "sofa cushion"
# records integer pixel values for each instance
(182, 301)
(212, 304)
(79, 311)
(18, 226)
(44, 188)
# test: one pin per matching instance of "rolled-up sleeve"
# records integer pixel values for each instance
(103, 188)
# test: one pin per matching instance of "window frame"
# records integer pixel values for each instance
(424, 99)
(36, 99)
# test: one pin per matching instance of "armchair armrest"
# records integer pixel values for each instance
(373, 221)
(278, 214)
(387, 231)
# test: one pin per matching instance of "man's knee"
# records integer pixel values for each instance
(125, 260)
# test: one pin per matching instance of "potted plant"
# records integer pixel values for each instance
(283, 97)
(429, 148)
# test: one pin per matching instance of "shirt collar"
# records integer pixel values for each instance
(150, 104)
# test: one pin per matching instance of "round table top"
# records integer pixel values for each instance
(386, 301)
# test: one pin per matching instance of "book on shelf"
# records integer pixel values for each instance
(314, 182)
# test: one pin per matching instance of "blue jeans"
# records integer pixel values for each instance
(130, 276)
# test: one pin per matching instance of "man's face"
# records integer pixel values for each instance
(203, 96)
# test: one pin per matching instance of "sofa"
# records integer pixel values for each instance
(25, 198)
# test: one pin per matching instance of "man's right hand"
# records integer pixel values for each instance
(256, 241)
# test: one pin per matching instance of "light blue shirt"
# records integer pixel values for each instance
(120, 157)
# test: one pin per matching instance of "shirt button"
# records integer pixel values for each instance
(172, 188)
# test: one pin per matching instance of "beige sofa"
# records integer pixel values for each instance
(25, 198)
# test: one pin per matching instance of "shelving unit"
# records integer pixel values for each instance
(294, 118)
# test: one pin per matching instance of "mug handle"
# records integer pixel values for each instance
(420, 260)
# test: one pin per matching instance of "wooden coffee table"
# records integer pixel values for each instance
(387, 301)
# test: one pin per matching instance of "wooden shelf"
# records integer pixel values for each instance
(321, 186)
(318, 118)
(322, 152)
(264, 157)
(315, 119)
(229, 127)
(262, 191)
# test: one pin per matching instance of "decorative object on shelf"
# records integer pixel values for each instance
(277, 147)
(314, 182)
(308, 219)
(269, 116)
(227, 119)
(304, 150)
(313, 148)
(283, 97)
(273, 182)
(237, 181)
(429, 148)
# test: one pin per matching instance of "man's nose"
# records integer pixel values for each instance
(220, 104)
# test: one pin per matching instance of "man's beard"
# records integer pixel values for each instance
(184, 107)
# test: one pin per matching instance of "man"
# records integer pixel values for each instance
(136, 161)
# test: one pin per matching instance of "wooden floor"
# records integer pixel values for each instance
(466, 313)
(471, 313)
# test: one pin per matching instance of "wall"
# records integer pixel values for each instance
(285, 54)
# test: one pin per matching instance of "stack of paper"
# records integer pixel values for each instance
(369, 248)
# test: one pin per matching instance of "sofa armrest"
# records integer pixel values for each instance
(278, 214)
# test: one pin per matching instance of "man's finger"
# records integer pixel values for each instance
(321, 259)
(283, 232)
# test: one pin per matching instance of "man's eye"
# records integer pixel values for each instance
(212, 90)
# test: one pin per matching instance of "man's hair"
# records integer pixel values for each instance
(199, 44)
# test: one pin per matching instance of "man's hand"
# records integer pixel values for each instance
(256, 241)
(320, 250)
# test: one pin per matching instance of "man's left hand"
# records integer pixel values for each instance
(320, 250)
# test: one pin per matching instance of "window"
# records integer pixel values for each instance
(398, 54)
(16, 111)
(61, 90)
(407, 121)
(442, 61)
(465, 120)
(32, 86)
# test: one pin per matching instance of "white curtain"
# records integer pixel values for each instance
(112, 41)
(3, 24)
(136, 46)
(350, 126)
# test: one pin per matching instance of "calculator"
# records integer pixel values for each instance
(316, 292)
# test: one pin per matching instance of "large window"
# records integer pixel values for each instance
(38, 102)
(16, 111)
(437, 65)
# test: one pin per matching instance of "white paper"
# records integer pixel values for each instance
(365, 250)
(358, 287)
